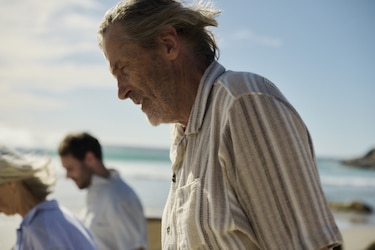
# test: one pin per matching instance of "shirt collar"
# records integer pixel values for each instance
(200, 104)
(97, 180)
(45, 205)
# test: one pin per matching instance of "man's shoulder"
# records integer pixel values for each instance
(236, 81)
(116, 187)
(240, 84)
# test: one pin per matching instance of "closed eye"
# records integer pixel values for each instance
(123, 70)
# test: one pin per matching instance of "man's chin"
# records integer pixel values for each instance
(154, 124)
(8, 213)
(152, 116)
(154, 120)
(82, 186)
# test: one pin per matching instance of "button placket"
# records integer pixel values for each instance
(177, 160)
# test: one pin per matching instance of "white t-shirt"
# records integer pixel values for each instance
(114, 214)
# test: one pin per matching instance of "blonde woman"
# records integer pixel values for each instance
(25, 183)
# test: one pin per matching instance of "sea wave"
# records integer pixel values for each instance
(348, 181)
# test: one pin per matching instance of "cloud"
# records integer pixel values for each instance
(40, 39)
(14, 137)
(246, 36)
(36, 29)
(49, 47)
(56, 78)
(16, 100)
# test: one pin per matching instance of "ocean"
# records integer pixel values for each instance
(342, 183)
(148, 172)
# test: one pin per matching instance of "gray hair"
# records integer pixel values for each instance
(36, 173)
(142, 21)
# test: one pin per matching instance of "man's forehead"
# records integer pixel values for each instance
(68, 158)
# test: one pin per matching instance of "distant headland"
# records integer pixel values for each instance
(366, 161)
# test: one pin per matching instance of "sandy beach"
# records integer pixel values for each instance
(154, 235)
(358, 238)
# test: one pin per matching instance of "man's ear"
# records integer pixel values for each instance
(170, 41)
(89, 159)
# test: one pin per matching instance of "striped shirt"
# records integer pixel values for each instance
(244, 172)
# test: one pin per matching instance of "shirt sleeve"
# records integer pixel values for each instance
(271, 167)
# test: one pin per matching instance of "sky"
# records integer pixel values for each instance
(321, 54)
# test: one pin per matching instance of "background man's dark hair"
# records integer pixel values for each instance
(79, 144)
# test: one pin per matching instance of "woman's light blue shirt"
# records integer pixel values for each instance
(49, 226)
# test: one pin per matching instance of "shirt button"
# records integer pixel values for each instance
(174, 178)
(168, 230)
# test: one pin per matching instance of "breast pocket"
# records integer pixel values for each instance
(189, 216)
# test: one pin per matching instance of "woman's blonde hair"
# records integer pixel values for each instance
(35, 172)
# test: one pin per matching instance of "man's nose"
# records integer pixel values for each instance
(121, 93)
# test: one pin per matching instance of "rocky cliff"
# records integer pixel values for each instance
(367, 161)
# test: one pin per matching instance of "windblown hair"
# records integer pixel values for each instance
(143, 20)
(78, 144)
(36, 173)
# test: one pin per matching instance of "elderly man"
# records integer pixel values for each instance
(244, 170)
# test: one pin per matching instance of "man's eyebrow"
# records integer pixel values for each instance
(115, 68)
